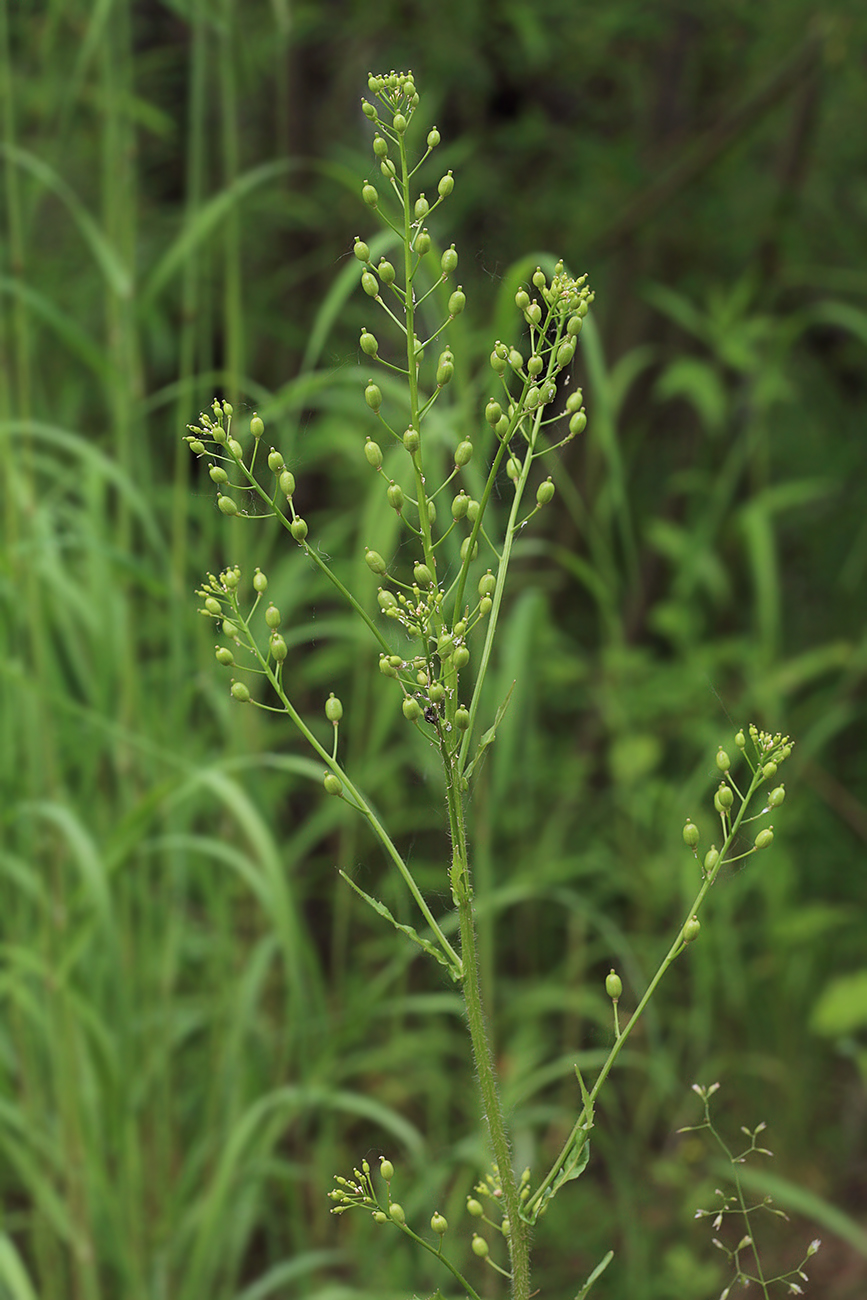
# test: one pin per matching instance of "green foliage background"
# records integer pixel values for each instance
(199, 1027)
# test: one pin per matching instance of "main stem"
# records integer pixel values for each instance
(519, 1235)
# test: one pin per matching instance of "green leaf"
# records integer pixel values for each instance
(490, 734)
(382, 910)
(595, 1275)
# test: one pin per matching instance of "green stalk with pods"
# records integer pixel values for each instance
(440, 600)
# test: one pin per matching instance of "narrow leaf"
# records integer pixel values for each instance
(382, 910)
(490, 734)
(595, 1275)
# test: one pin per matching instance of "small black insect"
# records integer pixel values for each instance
(430, 713)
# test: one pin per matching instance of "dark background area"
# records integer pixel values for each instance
(200, 1026)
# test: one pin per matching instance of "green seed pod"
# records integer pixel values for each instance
(690, 835)
(723, 761)
(369, 344)
(370, 284)
(461, 656)
(422, 575)
(765, 838)
(213, 606)
(545, 492)
(498, 363)
(278, 647)
(480, 1246)
(385, 271)
(463, 453)
(740, 740)
(230, 578)
(287, 483)
(375, 562)
(373, 396)
(399, 123)
(439, 1224)
(229, 628)
(457, 302)
(373, 453)
(449, 261)
(368, 110)
(436, 692)
(333, 708)
(397, 1213)
(227, 505)
(386, 668)
(513, 468)
(711, 858)
(769, 770)
(361, 251)
(219, 435)
(445, 646)
(196, 446)
(387, 168)
(235, 448)
(575, 401)
(411, 440)
(573, 328)
(539, 278)
(522, 300)
(474, 1207)
(723, 799)
(505, 1228)
(583, 308)
(465, 549)
(395, 497)
(691, 930)
(460, 628)
(459, 505)
(473, 511)
(275, 462)
(487, 584)
(422, 208)
(534, 313)
(565, 353)
(380, 146)
(613, 985)
(379, 1216)
(272, 616)
(531, 401)
(445, 373)
(516, 360)
(332, 783)
(386, 600)
(548, 392)
(493, 412)
(218, 474)
(433, 138)
(411, 709)
(578, 423)
(240, 692)
(257, 426)
(485, 606)
(462, 718)
(446, 185)
(422, 243)
(776, 797)
(298, 528)
(370, 196)
(260, 582)
(386, 1169)
(224, 656)
(534, 365)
